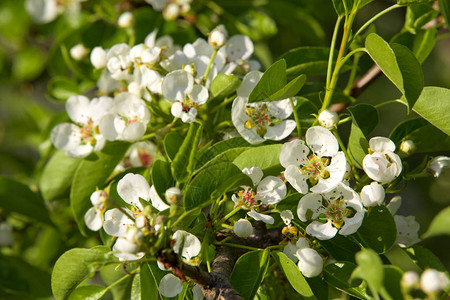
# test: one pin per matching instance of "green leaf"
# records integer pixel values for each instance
(408, 2)
(249, 271)
(340, 7)
(399, 257)
(184, 163)
(341, 248)
(113, 272)
(91, 292)
(378, 229)
(429, 139)
(224, 85)
(425, 258)
(28, 63)
(433, 105)
(172, 143)
(73, 267)
(338, 274)
(17, 197)
(265, 157)
(370, 268)
(392, 279)
(290, 90)
(406, 127)
(162, 177)
(424, 42)
(365, 119)
(149, 285)
(136, 288)
(256, 25)
(61, 88)
(212, 182)
(226, 156)
(92, 173)
(307, 60)
(293, 275)
(273, 80)
(57, 175)
(444, 5)
(440, 224)
(399, 64)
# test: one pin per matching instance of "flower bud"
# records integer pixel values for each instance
(372, 194)
(432, 281)
(310, 263)
(437, 164)
(171, 12)
(328, 119)
(173, 195)
(243, 228)
(407, 147)
(125, 20)
(98, 199)
(78, 52)
(98, 57)
(410, 279)
(218, 37)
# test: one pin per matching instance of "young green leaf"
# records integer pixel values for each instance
(306, 60)
(149, 283)
(378, 229)
(61, 88)
(224, 85)
(91, 292)
(444, 5)
(17, 197)
(293, 275)
(273, 80)
(433, 105)
(370, 268)
(162, 177)
(425, 258)
(399, 64)
(265, 157)
(338, 274)
(424, 42)
(408, 2)
(57, 175)
(440, 224)
(249, 271)
(92, 173)
(392, 281)
(172, 143)
(184, 162)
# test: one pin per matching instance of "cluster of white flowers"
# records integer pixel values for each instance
(171, 9)
(431, 282)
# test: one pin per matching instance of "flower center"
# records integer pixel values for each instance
(260, 118)
(88, 132)
(247, 198)
(144, 157)
(336, 212)
(314, 167)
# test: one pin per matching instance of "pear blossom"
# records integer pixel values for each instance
(94, 217)
(310, 263)
(407, 147)
(433, 281)
(410, 279)
(128, 246)
(178, 87)
(372, 194)
(141, 154)
(339, 210)
(382, 164)
(173, 195)
(78, 51)
(291, 249)
(157, 202)
(257, 122)
(42, 11)
(328, 119)
(186, 245)
(118, 61)
(407, 231)
(287, 217)
(218, 36)
(269, 190)
(157, 5)
(394, 204)
(83, 137)
(243, 228)
(133, 187)
(318, 166)
(128, 120)
(125, 20)
(170, 286)
(437, 164)
(98, 57)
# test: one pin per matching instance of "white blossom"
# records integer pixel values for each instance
(98, 57)
(320, 171)
(94, 217)
(78, 52)
(433, 281)
(407, 231)
(408, 147)
(340, 209)
(243, 228)
(42, 11)
(437, 164)
(310, 263)
(218, 36)
(118, 61)
(382, 165)
(328, 119)
(157, 202)
(287, 216)
(372, 194)
(170, 286)
(186, 244)
(126, 19)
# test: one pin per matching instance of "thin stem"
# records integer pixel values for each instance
(236, 246)
(148, 136)
(352, 76)
(224, 103)
(387, 102)
(208, 68)
(333, 45)
(227, 226)
(297, 120)
(345, 120)
(362, 28)
(229, 215)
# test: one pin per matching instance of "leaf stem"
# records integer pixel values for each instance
(388, 102)
(208, 68)
(333, 45)
(297, 120)
(236, 246)
(229, 215)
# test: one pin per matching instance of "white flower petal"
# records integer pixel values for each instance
(296, 179)
(197, 292)
(177, 84)
(133, 132)
(107, 127)
(116, 223)
(132, 187)
(254, 173)
(124, 245)
(293, 153)
(93, 219)
(261, 217)
(394, 204)
(321, 231)
(381, 144)
(290, 250)
(280, 131)
(191, 245)
(312, 202)
(248, 83)
(372, 194)
(239, 47)
(156, 200)
(199, 94)
(77, 108)
(407, 231)
(239, 118)
(243, 228)
(302, 243)
(336, 170)
(286, 216)
(310, 262)
(170, 286)
(65, 136)
(322, 141)
(280, 109)
(271, 190)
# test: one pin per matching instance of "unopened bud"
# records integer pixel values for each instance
(243, 228)
(98, 57)
(78, 52)
(171, 12)
(328, 119)
(372, 194)
(407, 147)
(98, 199)
(218, 37)
(126, 20)
(410, 279)
(432, 281)
(173, 195)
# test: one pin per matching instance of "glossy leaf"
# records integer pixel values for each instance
(378, 229)
(425, 258)
(429, 139)
(224, 85)
(406, 127)
(306, 60)
(365, 119)
(91, 292)
(440, 224)
(341, 248)
(424, 42)
(92, 173)
(293, 275)
(162, 177)
(249, 271)
(398, 256)
(264, 157)
(149, 284)
(17, 197)
(290, 90)
(212, 182)
(184, 163)
(57, 175)
(73, 267)
(399, 64)
(370, 268)
(172, 143)
(435, 112)
(338, 274)
(392, 281)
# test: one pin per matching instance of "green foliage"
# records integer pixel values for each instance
(344, 7)
(224, 85)
(339, 274)
(264, 157)
(444, 5)
(94, 292)
(306, 60)
(440, 224)
(434, 111)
